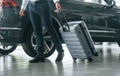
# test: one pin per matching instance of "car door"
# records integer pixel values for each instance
(104, 21)
(100, 15)
(10, 23)
(95, 14)
(9, 16)
(75, 10)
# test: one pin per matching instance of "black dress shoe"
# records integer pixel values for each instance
(59, 57)
(37, 59)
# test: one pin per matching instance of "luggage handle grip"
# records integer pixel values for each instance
(65, 27)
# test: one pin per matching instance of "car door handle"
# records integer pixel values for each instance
(97, 14)
(90, 6)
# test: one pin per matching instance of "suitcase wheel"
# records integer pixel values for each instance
(90, 59)
(96, 54)
(74, 59)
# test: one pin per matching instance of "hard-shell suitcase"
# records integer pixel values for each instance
(78, 40)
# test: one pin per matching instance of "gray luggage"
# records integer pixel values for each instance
(78, 40)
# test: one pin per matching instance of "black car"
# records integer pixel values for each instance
(101, 16)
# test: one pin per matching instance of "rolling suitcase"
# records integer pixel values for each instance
(78, 40)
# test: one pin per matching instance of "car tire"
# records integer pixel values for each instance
(6, 49)
(29, 44)
(118, 43)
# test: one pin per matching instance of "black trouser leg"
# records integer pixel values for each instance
(46, 19)
(40, 15)
(37, 27)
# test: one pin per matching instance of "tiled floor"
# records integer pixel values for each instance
(106, 64)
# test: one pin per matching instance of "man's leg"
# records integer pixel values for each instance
(37, 27)
(46, 19)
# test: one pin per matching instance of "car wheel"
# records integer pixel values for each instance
(30, 44)
(6, 49)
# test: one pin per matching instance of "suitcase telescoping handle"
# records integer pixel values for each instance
(65, 27)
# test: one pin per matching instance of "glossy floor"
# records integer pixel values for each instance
(106, 64)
